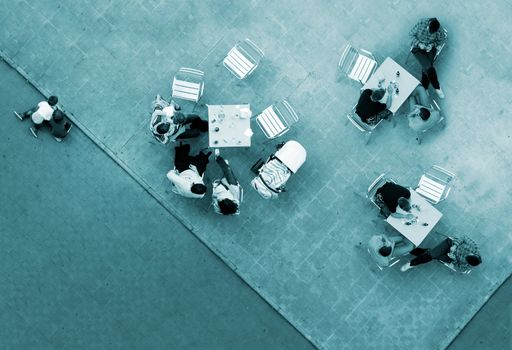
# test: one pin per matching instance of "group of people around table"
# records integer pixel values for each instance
(47, 114)
(427, 37)
(460, 254)
(169, 124)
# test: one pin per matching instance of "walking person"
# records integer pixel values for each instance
(427, 36)
(41, 114)
(59, 125)
(187, 175)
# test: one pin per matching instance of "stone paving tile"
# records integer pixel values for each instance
(303, 248)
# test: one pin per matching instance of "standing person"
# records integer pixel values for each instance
(40, 114)
(187, 175)
(226, 195)
(383, 248)
(370, 109)
(461, 254)
(59, 125)
(426, 38)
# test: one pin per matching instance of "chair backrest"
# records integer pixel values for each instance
(188, 84)
(375, 185)
(357, 64)
(277, 119)
(393, 261)
(435, 184)
(243, 59)
(441, 47)
(360, 125)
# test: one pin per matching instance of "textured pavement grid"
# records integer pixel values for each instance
(107, 59)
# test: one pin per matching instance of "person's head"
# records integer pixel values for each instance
(178, 118)
(227, 207)
(58, 116)
(434, 25)
(424, 113)
(385, 251)
(163, 128)
(473, 260)
(404, 203)
(198, 189)
(52, 100)
(377, 94)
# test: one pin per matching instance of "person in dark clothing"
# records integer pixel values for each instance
(461, 254)
(59, 126)
(390, 196)
(368, 106)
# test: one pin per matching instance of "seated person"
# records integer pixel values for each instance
(226, 191)
(187, 175)
(369, 106)
(461, 254)
(59, 126)
(421, 116)
(383, 248)
(393, 200)
(167, 124)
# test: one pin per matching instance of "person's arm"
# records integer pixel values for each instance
(413, 33)
(441, 38)
(176, 180)
(157, 113)
(401, 216)
(389, 100)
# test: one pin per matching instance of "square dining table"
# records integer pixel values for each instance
(406, 83)
(427, 218)
(229, 125)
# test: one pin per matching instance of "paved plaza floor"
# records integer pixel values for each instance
(90, 260)
(303, 252)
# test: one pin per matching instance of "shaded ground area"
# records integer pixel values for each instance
(491, 327)
(91, 261)
(107, 60)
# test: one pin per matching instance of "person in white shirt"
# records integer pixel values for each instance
(383, 248)
(187, 175)
(226, 195)
(169, 125)
(40, 114)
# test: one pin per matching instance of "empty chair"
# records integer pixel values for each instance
(188, 84)
(243, 58)
(435, 184)
(277, 119)
(366, 129)
(357, 64)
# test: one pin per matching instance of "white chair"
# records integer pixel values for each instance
(188, 84)
(277, 119)
(435, 184)
(243, 58)
(357, 64)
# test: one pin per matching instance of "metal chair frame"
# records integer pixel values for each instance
(435, 184)
(241, 57)
(366, 129)
(188, 84)
(363, 61)
(278, 117)
(438, 49)
(372, 189)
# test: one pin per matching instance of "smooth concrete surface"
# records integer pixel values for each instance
(107, 59)
(91, 261)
